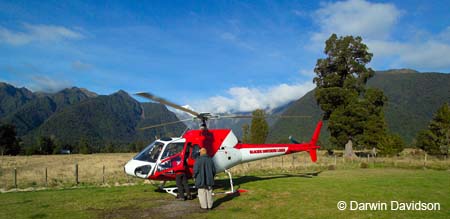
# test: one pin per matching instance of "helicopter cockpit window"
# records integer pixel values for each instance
(150, 153)
(195, 152)
(172, 149)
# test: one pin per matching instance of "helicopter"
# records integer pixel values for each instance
(163, 158)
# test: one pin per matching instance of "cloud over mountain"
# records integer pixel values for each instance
(245, 99)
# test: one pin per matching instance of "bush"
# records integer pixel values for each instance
(331, 167)
(391, 145)
(364, 165)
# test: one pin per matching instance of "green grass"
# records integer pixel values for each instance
(271, 196)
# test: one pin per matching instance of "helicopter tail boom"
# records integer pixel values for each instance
(251, 152)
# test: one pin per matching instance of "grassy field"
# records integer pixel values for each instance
(294, 194)
(60, 168)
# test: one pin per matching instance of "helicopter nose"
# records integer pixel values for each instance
(138, 168)
(129, 168)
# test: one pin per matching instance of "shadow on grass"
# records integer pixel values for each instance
(227, 197)
(225, 184)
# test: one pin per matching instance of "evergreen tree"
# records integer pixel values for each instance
(342, 75)
(84, 147)
(436, 139)
(9, 144)
(353, 111)
(46, 145)
(259, 128)
(375, 127)
(109, 148)
(245, 133)
(390, 145)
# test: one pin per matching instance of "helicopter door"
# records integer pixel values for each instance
(193, 153)
(171, 159)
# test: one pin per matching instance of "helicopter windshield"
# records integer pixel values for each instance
(151, 152)
(172, 149)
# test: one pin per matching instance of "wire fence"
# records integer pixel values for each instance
(107, 169)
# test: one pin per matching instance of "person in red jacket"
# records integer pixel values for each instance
(182, 178)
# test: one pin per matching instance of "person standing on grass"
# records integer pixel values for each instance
(204, 172)
(181, 178)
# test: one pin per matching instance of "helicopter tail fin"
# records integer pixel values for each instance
(313, 154)
(313, 144)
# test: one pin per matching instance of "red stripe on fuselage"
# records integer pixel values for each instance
(292, 148)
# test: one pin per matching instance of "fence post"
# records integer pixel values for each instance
(335, 160)
(46, 178)
(425, 161)
(103, 174)
(306, 162)
(282, 161)
(76, 174)
(368, 161)
(293, 161)
(15, 177)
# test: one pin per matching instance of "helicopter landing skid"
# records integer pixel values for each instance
(231, 183)
(232, 191)
(174, 190)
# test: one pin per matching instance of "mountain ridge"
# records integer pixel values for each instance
(75, 115)
(413, 97)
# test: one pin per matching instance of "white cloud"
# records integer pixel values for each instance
(375, 22)
(356, 17)
(46, 84)
(445, 35)
(244, 99)
(38, 33)
(430, 54)
(33, 78)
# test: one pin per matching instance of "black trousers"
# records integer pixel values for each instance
(182, 185)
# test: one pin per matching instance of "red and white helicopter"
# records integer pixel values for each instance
(163, 158)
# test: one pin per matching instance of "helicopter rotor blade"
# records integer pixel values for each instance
(268, 116)
(166, 102)
(164, 124)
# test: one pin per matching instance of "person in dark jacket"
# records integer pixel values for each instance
(204, 172)
(182, 179)
(182, 184)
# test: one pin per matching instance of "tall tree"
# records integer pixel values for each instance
(436, 139)
(375, 127)
(84, 147)
(353, 111)
(259, 128)
(342, 75)
(9, 144)
(46, 145)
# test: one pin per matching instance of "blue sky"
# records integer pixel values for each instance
(217, 56)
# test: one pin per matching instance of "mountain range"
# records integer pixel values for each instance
(413, 98)
(74, 114)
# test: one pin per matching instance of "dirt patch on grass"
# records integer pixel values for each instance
(155, 209)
